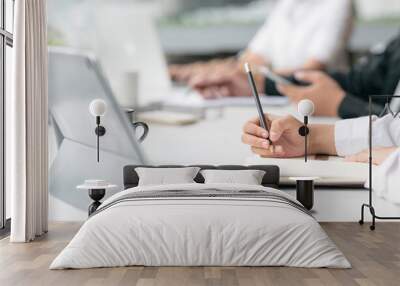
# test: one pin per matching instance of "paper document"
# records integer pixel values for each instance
(168, 118)
(331, 169)
(192, 99)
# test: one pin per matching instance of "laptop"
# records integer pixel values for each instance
(75, 79)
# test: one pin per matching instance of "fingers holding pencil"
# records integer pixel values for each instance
(283, 133)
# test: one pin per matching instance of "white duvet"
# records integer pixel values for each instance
(200, 231)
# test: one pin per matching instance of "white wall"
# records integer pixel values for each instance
(372, 9)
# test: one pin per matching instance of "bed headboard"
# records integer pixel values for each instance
(271, 177)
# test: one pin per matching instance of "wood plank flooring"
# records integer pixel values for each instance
(375, 257)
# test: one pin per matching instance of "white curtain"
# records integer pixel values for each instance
(26, 119)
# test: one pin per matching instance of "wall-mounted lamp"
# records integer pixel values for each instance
(98, 108)
(306, 109)
(305, 185)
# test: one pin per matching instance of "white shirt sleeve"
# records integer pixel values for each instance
(259, 44)
(386, 179)
(351, 135)
(334, 31)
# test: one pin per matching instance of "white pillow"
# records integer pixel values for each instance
(248, 177)
(166, 176)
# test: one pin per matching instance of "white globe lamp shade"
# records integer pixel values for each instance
(305, 107)
(97, 107)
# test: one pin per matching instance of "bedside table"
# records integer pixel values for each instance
(96, 193)
(305, 190)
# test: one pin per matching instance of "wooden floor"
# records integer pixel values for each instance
(375, 257)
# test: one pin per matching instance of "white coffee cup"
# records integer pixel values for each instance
(126, 89)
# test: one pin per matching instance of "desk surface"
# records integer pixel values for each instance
(214, 140)
(217, 140)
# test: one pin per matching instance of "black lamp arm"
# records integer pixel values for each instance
(304, 131)
(99, 131)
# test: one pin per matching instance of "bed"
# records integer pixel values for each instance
(198, 224)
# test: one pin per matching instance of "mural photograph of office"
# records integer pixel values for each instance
(228, 142)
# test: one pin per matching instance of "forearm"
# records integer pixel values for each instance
(313, 64)
(348, 137)
(322, 139)
(351, 135)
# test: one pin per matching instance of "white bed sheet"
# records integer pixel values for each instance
(200, 231)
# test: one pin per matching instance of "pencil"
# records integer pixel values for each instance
(263, 122)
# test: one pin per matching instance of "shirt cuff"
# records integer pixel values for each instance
(351, 136)
(270, 87)
(352, 106)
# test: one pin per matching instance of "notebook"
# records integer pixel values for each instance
(331, 170)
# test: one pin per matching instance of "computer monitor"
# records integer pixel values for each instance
(75, 79)
(130, 43)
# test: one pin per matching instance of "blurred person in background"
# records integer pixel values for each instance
(298, 34)
(343, 94)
